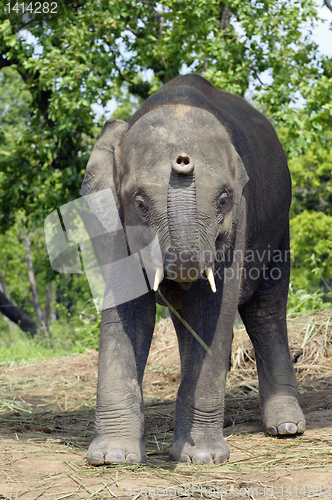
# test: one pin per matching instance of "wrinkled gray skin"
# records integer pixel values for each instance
(181, 167)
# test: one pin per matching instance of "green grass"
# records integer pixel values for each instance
(75, 334)
(302, 301)
(67, 336)
(18, 347)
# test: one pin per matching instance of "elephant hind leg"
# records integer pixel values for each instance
(283, 416)
(264, 317)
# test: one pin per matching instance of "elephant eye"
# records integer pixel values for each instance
(141, 205)
(222, 199)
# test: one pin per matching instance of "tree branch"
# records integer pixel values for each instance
(16, 315)
(123, 78)
(328, 4)
(256, 75)
(141, 89)
(134, 32)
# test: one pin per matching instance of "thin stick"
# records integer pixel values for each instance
(197, 337)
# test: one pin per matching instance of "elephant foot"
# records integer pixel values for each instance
(282, 416)
(105, 451)
(204, 453)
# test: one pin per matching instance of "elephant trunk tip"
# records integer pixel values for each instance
(182, 164)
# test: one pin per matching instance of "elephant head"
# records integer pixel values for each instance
(173, 170)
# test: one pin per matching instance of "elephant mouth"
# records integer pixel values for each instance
(185, 283)
(185, 267)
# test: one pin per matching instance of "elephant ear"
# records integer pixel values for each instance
(100, 189)
(101, 171)
(242, 179)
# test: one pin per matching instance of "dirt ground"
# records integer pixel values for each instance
(46, 425)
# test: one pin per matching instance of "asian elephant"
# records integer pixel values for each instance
(205, 172)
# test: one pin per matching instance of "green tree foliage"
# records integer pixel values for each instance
(12, 264)
(84, 57)
(68, 293)
(55, 71)
(307, 137)
(312, 248)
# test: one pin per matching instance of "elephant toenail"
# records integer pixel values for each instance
(221, 457)
(272, 430)
(301, 426)
(202, 457)
(287, 428)
(131, 458)
(96, 458)
(184, 458)
(114, 457)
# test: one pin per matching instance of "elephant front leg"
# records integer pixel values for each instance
(126, 334)
(198, 431)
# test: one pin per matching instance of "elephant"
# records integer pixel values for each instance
(204, 171)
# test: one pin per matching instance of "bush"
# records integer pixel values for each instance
(302, 301)
(311, 243)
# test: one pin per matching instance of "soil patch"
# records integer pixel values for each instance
(46, 425)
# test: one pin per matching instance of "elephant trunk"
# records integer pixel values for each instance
(182, 260)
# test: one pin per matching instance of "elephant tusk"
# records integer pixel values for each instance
(210, 277)
(158, 277)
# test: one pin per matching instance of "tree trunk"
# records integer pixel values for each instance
(225, 18)
(3, 289)
(16, 315)
(31, 276)
(49, 312)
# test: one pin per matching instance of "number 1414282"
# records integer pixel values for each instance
(33, 8)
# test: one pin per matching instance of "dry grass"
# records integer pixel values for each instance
(46, 424)
(310, 342)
